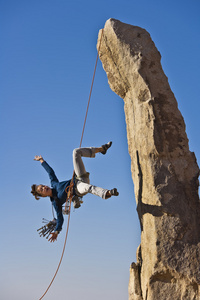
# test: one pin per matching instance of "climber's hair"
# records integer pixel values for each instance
(35, 192)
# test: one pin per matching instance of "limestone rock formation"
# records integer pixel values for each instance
(165, 173)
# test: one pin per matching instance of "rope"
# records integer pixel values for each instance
(61, 256)
(70, 190)
(91, 90)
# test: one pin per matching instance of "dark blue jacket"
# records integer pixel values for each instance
(59, 195)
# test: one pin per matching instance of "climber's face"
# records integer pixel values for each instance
(44, 190)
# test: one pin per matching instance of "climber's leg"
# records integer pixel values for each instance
(83, 185)
(78, 153)
(83, 188)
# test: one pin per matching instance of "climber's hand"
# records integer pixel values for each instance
(53, 237)
(39, 158)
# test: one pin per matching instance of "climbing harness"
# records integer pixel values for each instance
(69, 189)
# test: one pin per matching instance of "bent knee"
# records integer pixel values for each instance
(76, 152)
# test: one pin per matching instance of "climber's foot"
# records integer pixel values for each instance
(106, 147)
(112, 192)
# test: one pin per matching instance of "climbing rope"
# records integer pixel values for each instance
(70, 188)
(91, 89)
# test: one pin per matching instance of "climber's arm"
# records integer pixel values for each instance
(49, 170)
(59, 224)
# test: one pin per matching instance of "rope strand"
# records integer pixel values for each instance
(70, 194)
(61, 256)
(91, 90)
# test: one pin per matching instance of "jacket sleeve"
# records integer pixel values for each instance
(60, 218)
(50, 171)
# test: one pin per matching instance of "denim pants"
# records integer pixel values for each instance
(83, 185)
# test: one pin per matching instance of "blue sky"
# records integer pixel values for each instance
(47, 57)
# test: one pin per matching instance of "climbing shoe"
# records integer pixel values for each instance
(106, 147)
(114, 192)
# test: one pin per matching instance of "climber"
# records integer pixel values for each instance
(82, 186)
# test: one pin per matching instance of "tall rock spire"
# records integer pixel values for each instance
(165, 173)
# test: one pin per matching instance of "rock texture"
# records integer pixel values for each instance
(165, 173)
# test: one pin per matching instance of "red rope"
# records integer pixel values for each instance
(70, 190)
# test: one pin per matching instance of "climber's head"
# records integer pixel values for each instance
(41, 191)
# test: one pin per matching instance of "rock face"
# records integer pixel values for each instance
(165, 173)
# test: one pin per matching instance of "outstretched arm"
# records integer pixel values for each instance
(49, 170)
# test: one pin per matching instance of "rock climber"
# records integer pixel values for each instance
(82, 186)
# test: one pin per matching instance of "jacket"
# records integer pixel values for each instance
(59, 195)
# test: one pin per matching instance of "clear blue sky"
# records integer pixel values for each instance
(47, 56)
